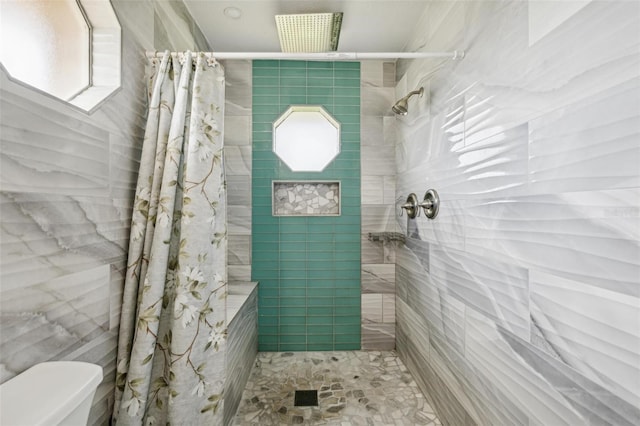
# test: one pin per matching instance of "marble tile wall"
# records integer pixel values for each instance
(378, 204)
(237, 151)
(520, 303)
(66, 190)
(242, 349)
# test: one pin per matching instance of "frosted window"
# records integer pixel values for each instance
(306, 138)
(46, 44)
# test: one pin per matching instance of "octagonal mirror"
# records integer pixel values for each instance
(306, 138)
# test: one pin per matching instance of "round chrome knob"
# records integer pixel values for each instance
(411, 206)
(431, 204)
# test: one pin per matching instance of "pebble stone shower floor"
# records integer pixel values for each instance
(354, 388)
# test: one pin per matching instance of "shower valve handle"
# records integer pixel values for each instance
(411, 206)
(430, 204)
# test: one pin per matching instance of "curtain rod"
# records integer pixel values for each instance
(335, 56)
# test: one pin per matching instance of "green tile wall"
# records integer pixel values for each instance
(308, 267)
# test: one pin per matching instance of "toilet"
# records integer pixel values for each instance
(50, 393)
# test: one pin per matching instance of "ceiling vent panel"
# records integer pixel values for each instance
(309, 33)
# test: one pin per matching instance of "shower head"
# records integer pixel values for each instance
(402, 107)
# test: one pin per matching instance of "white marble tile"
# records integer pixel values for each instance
(499, 290)
(376, 101)
(237, 160)
(588, 145)
(533, 152)
(371, 73)
(372, 130)
(372, 190)
(595, 331)
(378, 278)
(377, 160)
(573, 236)
(239, 190)
(237, 130)
(371, 308)
(487, 351)
(388, 308)
(239, 250)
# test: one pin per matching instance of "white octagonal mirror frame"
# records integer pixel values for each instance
(306, 138)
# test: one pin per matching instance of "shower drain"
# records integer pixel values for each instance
(306, 398)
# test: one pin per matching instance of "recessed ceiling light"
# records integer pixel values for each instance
(232, 12)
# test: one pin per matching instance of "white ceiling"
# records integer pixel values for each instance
(367, 26)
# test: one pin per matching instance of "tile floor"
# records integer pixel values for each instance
(354, 388)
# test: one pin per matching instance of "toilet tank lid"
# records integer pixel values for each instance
(46, 393)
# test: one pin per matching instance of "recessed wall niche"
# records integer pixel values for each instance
(306, 198)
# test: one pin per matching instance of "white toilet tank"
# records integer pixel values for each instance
(50, 393)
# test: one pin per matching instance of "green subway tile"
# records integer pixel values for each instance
(293, 274)
(266, 72)
(321, 301)
(265, 118)
(293, 100)
(292, 301)
(266, 91)
(323, 100)
(268, 310)
(296, 329)
(320, 283)
(265, 81)
(290, 347)
(320, 329)
(319, 82)
(293, 64)
(348, 73)
(269, 256)
(319, 347)
(347, 292)
(319, 339)
(347, 92)
(262, 127)
(261, 100)
(268, 338)
(352, 319)
(320, 91)
(264, 347)
(293, 282)
(268, 292)
(320, 292)
(294, 292)
(347, 65)
(268, 321)
(293, 72)
(292, 256)
(346, 329)
(320, 64)
(293, 81)
(346, 338)
(292, 311)
(268, 329)
(293, 320)
(320, 311)
(266, 63)
(346, 82)
(293, 338)
(320, 73)
(343, 311)
(354, 346)
(269, 302)
(347, 301)
(320, 274)
(316, 320)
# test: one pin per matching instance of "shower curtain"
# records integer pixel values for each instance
(170, 365)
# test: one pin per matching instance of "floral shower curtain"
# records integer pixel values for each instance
(170, 366)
